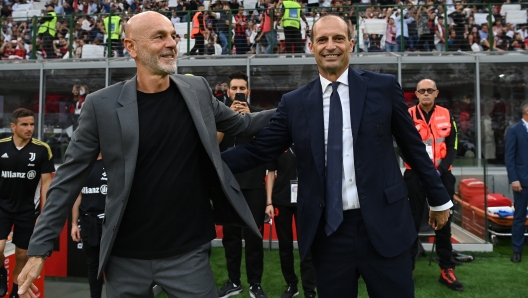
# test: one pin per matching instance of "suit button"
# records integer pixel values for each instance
(363, 198)
(358, 169)
(321, 206)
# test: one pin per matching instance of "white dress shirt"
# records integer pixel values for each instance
(350, 193)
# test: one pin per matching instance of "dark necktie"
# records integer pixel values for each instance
(334, 164)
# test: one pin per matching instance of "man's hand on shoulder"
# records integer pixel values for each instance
(438, 219)
(30, 272)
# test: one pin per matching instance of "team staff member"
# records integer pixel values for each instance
(516, 158)
(285, 168)
(353, 213)
(439, 134)
(87, 222)
(26, 165)
(114, 30)
(198, 31)
(166, 191)
(48, 30)
(252, 185)
(290, 20)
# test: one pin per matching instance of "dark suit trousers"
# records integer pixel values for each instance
(341, 258)
(417, 200)
(283, 226)
(520, 201)
(232, 241)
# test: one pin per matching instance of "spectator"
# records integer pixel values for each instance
(471, 24)
(440, 35)
(451, 41)
(6, 11)
(225, 21)
(241, 43)
(459, 25)
(471, 45)
(175, 19)
(251, 33)
(78, 49)
(61, 47)
(7, 49)
(234, 5)
(390, 37)
(266, 26)
(509, 30)
(517, 43)
(523, 31)
(397, 22)
(425, 25)
(67, 8)
(497, 28)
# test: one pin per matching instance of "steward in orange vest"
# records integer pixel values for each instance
(198, 31)
(439, 134)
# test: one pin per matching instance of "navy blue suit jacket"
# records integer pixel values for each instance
(516, 156)
(378, 112)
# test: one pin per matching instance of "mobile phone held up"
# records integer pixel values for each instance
(240, 97)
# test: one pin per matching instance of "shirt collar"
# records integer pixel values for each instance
(343, 79)
(525, 122)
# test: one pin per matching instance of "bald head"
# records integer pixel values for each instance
(141, 23)
(426, 80)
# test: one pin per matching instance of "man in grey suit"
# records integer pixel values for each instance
(167, 185)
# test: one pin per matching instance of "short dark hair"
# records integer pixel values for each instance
(19, 113)
(237, 75)
(349, 31)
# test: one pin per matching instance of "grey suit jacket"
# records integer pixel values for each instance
(109, 123)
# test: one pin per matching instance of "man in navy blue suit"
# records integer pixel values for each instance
(353, 212)
(516, 159)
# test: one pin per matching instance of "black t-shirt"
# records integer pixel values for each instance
(168, 210)
(20, 174)
(94, 190)
(286, 171)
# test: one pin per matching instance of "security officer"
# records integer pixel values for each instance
(291, 14)
(48, 30)
(114, 30)
(198, 31)
(439, 134)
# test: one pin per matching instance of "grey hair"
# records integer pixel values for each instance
(524, 106)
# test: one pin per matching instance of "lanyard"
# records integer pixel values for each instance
(421, 114)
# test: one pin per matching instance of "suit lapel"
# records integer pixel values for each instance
(129, 121)
(524, 131)
(314, 112)
(357, 88)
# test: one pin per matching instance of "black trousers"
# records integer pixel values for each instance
(417, 200)
(283, 226)
(293, 39)
(199, 44)
(47, 45)
(429, 39)
(232, 241)
(92, 259)
(341, 258)
(117, 45)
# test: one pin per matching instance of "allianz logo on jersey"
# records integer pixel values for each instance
(93, 190)
(29, 175)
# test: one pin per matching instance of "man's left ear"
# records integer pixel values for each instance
(352, 43)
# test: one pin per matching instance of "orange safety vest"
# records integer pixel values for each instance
(196, 24)
(434, 133)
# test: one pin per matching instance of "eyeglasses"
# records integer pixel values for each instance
(429, 90)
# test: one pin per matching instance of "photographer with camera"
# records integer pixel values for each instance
(252, 186)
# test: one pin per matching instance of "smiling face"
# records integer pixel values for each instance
(331, 46)
(151, 41)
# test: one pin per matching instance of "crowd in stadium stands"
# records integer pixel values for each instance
(378, 22)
